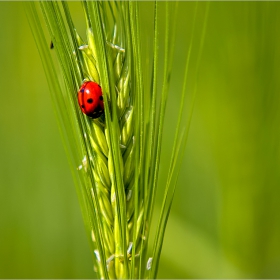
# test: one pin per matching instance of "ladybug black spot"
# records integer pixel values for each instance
(82, 90)
(90, 100)
(101, 98)
(83, 106)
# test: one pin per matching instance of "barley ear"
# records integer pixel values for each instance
(117, 156)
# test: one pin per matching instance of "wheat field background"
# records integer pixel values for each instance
(225, 221)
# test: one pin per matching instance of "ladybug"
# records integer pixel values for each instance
(91, 100)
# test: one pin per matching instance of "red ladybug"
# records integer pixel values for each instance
(91, 100)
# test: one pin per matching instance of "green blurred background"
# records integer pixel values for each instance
(225, 221)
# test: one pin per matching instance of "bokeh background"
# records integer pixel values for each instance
(225, 221)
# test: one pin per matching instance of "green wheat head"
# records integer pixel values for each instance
(117, 156)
